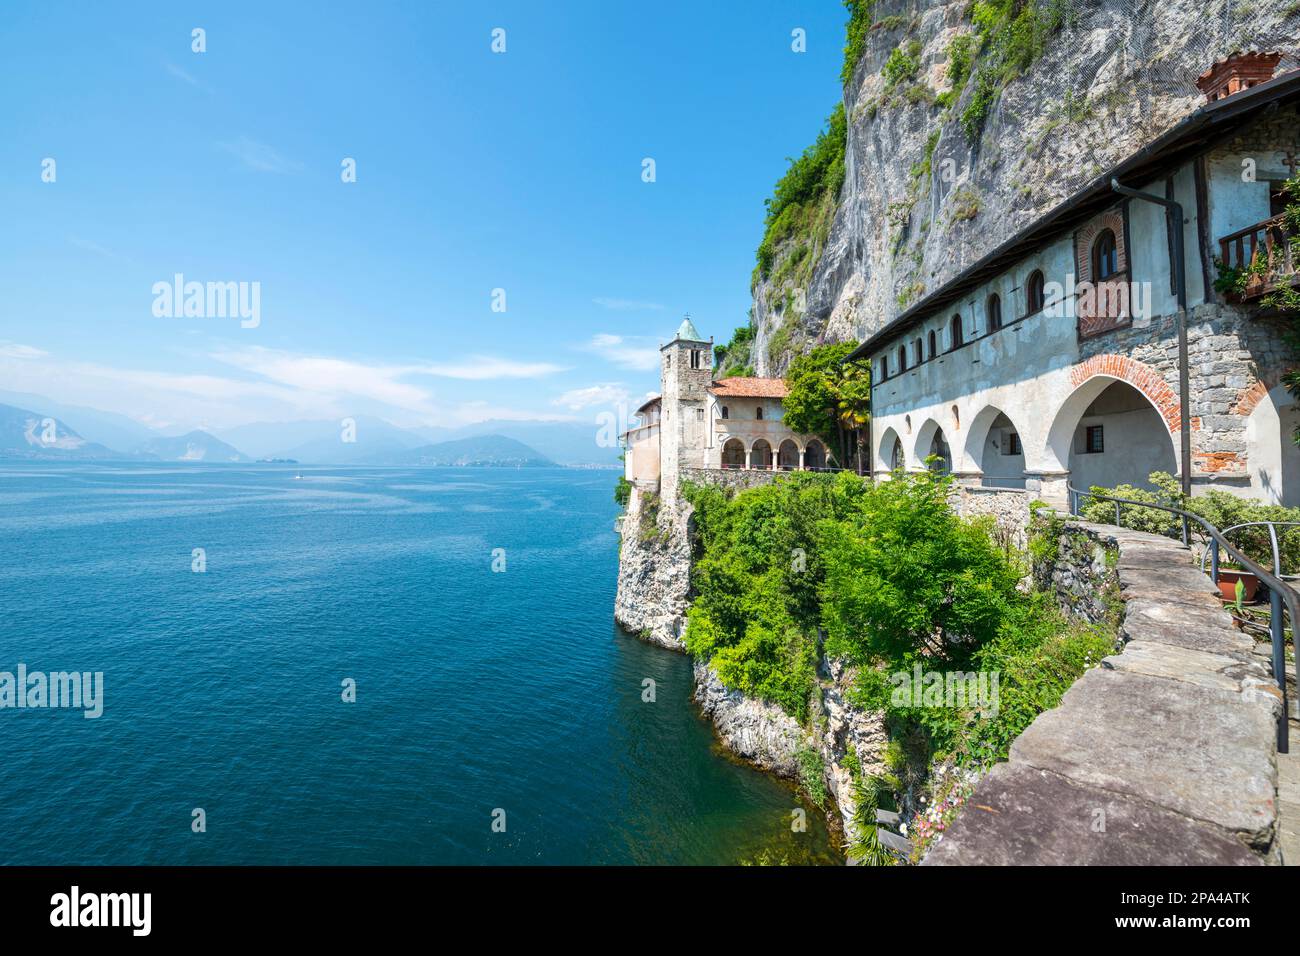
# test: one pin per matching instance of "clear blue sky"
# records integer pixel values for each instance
(475, 171)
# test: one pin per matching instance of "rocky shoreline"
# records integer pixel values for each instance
(652, 600)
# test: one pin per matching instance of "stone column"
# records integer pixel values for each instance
(802, 465)
(1049, 486)
(747, 461)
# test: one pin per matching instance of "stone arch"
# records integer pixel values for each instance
(1272, 458)
(889, 441)
(733, 453)
(760, 454)
(977, 450)
(1089, 379)
(1059, 447)
(787, 455)
(931, 439)
(815, 454)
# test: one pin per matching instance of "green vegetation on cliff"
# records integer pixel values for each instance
(802, 206)
(896, 580)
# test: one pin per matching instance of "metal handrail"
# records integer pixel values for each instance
(1280, 593)
(1272, 537)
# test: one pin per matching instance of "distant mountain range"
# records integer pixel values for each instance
(34, 427)
(480, 451)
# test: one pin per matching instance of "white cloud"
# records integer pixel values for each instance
(628, 352)
(180, 74)
(260, 157)
(331, 377)
(269, 384)
(627, 305)
(17, 351)
(576, 399)
(91, 246)
(480, 367)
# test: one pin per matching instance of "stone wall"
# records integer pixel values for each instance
(735, 479)
(1009, 508)
(1081, 572)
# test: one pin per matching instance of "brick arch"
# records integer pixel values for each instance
(1250, 396)
(1138, 374)
(1112, 219)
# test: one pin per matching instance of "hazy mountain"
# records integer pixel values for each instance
(105, 428)
(321, 441)
(28, 434)
(480, 451)
(568, 443)
(195, 446)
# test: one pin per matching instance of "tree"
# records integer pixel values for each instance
(829, 396)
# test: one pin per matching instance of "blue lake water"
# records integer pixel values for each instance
(476, 690)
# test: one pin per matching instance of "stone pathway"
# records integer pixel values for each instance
(1164, 755)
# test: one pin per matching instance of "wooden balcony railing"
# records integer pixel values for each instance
(1265, 251)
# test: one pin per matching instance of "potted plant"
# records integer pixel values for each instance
(1230, 576)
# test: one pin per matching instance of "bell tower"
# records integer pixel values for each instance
(685, 374)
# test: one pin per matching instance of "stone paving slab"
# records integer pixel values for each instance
(1204, 753)
(1184, 585)
(1216, 671)
(1023, 814)
(1186, 626)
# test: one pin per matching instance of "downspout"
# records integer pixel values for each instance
(1174, 226)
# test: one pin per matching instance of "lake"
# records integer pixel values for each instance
(479, 694)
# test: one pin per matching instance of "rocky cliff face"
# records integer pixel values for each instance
(654, 571)
(923, 198)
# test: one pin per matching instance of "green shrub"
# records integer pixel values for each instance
(903, 64)
(855, 35)
(905, 575)
(1220, 508)
(808, 187)
(812, 770)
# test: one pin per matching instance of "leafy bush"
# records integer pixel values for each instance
(812, 181)
(855, 39)
(903, 64)
(905, 575)
(1220, 508)
(824, 393)
(756, 577)
(623, 491)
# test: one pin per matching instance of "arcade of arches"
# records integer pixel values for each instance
(760, 455)
(1107, 431)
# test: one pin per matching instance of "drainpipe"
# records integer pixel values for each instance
(1174, 224)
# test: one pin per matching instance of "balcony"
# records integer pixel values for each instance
(1257, 260)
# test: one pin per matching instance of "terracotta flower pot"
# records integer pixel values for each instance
(1228, 579)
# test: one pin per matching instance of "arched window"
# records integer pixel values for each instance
(955, 326)
(1034, 294)
(918, 356)
(759, 416)
(934, 344)
(902, 358)
(724, 411)
(993, 309)
(1105, 257)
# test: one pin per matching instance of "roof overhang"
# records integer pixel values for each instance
(1191, 137)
